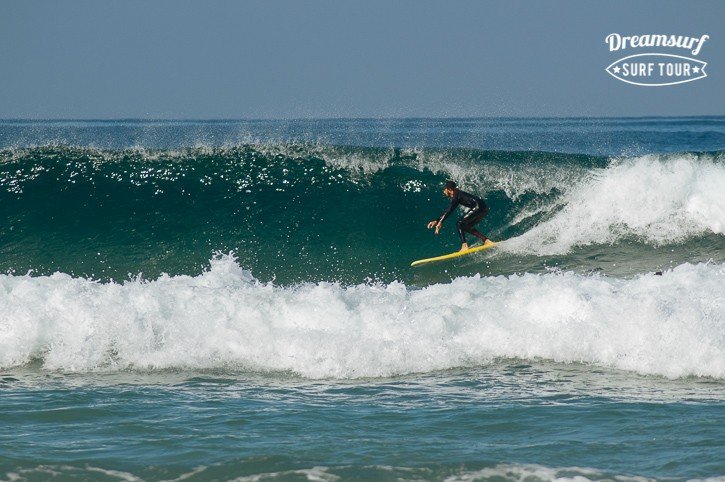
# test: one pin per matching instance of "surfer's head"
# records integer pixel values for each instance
(449, 188)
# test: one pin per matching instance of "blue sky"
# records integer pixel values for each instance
(288, 59)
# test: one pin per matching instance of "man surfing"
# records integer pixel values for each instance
(477, 210)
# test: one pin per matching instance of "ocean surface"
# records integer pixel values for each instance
(233, 300)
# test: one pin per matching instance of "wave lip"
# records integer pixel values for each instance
(671, 325)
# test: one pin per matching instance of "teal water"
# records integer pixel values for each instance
(299, 213)
(510, 420)
(234, 300)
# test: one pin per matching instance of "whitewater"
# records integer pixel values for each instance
(671, 324)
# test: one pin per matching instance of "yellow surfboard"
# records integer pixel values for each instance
(475, 249)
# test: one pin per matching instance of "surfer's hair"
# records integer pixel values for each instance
(450, 185)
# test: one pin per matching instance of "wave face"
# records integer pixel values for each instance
(670, 325)
(296, 213)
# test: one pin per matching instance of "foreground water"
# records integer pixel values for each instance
(512, 420)
(234, 301)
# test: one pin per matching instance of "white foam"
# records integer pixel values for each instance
(503, 472)
(671, 325)
(658, 199)
(535, 473)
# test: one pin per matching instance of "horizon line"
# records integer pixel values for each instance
(280, 119)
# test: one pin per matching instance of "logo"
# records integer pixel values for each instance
(656, 69)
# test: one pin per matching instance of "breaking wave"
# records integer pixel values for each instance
(297, 213)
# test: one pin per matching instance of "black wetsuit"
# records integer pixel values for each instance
(477, 211)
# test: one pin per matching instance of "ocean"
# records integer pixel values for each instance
(233, 300)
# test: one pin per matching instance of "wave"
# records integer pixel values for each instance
(309, 212)
(671, 325)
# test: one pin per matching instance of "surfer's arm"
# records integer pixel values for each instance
(454, 204)
(438, 223)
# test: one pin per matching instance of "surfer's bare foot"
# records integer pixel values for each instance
(464, 247)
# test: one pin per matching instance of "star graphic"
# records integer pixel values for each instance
(616, 69)
(696, 69)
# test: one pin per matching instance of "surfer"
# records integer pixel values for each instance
(477, 210)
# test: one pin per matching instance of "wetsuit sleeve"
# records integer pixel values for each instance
(454, 203)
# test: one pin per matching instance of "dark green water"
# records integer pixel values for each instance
(295, 213)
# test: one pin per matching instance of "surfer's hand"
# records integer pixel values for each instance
(432, 224)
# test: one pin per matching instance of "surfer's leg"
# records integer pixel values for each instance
(460, 226)
(470, 220)
(478, 234)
